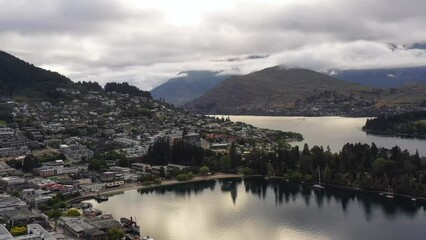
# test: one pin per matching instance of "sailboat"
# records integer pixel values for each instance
(318, 186)
(390, 193)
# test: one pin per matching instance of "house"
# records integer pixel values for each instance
(8, 203)
(192, 138)
(141, 167)
(22, 217)
(76, 151)
(12, 183)
(36, 232)
(45, 171)
(90, 228)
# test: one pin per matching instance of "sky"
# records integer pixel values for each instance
(146, 42)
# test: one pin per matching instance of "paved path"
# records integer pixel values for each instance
(133, 186)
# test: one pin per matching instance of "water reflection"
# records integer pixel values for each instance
(288, 192)
(185, 189)
(230, 185)
(259, 209)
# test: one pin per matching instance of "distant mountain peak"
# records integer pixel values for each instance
(187, 85)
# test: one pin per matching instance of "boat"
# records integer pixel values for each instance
(147, 238)
(413, 199)
(319, 186)
(101, 197)
(390, 193)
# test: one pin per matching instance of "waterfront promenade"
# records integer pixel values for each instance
(132, 186)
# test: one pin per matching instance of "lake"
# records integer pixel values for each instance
(331, 131)
(256, 209)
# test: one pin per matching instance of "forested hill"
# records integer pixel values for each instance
(295, 91)
(411, 124)
(24, 81)
(276, 89)
(19, 78)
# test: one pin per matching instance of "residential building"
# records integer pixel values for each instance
(95, 187)
(12, 183)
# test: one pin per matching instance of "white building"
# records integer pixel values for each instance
(128, 141)
(76, 151)
(95, 187)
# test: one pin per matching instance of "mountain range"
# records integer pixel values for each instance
(278, 89)
(271, 90)
(383, 78)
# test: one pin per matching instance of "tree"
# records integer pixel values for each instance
(225, 163)
(54, 213)
(72, 212)
(115, 234)
(235, 158)
(381, 166)
(204, 170)
(18, 231)
(327, 173)
(247, 171)
(95, 165)
(30, 162)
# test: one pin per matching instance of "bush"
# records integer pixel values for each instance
(295, 177)
(247, 171)
(148, 177)
(157, 181)
(18, 231)
(54, 213)
(182, 177)
(204, 170)
(147, 183)
(309, 178)
(72, 212)
(190, 175)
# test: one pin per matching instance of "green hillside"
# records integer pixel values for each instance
(279, 89)
(20, 79)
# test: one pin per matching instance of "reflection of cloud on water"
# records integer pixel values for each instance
(256, 210)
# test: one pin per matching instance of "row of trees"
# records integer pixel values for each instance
(357, 165)
(125, 88)
(406, 123)
(161, 153)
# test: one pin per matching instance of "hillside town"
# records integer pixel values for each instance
(55, 154)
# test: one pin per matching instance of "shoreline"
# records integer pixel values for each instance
(394, 134)
(355, 189)
(129, 187)
(220, 176)
(171, 183)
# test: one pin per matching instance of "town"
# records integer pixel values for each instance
(55, 154)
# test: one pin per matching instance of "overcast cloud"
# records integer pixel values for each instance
(147, 42)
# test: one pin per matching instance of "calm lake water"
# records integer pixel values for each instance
(331, 131)
(255, 209)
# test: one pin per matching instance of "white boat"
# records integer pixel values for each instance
(147, 238)
(413, 199)
(319, 186)
(390, 193)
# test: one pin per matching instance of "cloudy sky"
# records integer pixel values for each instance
(145, 42)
